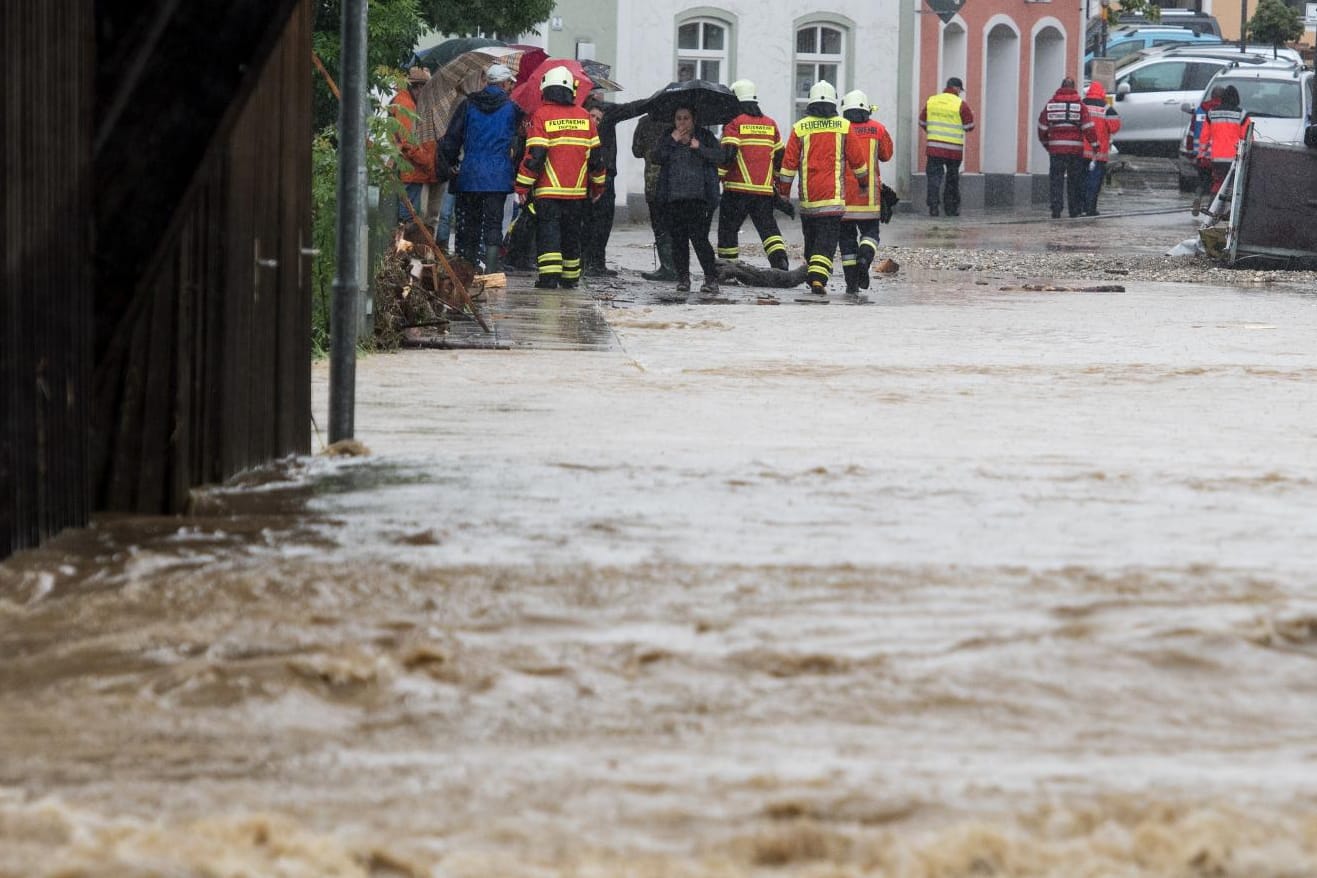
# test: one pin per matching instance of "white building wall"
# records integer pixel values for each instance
(763, 50)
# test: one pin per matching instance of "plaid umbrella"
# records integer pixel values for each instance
(437, 56)
(454, 81)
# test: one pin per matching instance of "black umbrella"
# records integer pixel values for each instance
(712, 102)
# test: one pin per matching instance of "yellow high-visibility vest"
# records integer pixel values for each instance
(942, 113)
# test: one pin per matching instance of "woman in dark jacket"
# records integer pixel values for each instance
(688, 159)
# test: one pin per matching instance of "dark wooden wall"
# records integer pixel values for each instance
(156, 301)
(45, 233)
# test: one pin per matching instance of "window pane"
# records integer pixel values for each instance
(831, 41)
(688, 36)
(685, 70)
(807, 41)
(804, 79)
(829, 72)
(1158, 77)
(709, 71)
(713, 37)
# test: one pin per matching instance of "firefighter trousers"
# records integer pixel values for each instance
(733, 208)
(821, 234)
(558, 238)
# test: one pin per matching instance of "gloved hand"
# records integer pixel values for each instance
(782, 188)
(1092, 166)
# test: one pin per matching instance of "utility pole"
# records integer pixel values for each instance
(1243, 24)
(351, 215)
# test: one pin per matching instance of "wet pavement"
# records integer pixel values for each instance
(975, 580)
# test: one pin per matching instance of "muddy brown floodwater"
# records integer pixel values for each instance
(970, 582)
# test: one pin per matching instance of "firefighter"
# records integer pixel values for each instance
(752, 154)
(561, 168)
(817, 152)
(859, 225)
(1064, 125)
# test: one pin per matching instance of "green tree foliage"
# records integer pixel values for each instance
(1274, 23)
(392, 29)
(504, 18)
(1146, 8)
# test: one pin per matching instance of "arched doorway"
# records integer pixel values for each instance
(999, 138)
(1049, 69)
(955, 51)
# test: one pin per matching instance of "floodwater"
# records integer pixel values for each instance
(969, 582)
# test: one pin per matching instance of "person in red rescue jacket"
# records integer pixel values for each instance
(1226, 125)
(752, 153)
(817, 152)
(864, 201)
(1105, 123)
(561, 167)
(1064, 125)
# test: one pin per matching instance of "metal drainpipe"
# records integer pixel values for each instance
(351, 215)
(907, 80)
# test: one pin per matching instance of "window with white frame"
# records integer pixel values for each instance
(702, 50)
(820, 54)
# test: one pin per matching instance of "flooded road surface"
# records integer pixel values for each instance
(969, 582)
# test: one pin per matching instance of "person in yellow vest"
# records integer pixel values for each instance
(946, 119)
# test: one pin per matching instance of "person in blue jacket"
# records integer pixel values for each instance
(481, 142)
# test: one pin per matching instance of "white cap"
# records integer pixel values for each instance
(499, 73)
(823, 93)
(744, 90)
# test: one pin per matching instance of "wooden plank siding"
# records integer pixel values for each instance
(164, 356)
(45, 232)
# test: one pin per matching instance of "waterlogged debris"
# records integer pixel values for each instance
(347, 448)
(1053, 288)
(887, 266)
(1187, 247)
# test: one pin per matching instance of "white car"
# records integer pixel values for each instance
(1151, 86)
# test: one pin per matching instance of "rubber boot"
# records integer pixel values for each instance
(864, 270)
(779, 260)
(852, 273)
(684, 283)
(665, 271)
(493, 263)
(710, 285)
(547, 282)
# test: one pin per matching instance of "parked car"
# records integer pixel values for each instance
(1152, 85)
(1196, 22)
(1278, 99)
(1127, 40)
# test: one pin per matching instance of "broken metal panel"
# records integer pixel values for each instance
(1275, 208)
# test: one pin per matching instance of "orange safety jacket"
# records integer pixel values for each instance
(562, 147)
(864, 199)
(757, 140)
(818, 152)
(422, 156)
(1106, 122)
(1222, 131)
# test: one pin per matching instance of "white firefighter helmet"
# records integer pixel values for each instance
(823, 93)
(558, 76)
(744, 90)
(856, 100)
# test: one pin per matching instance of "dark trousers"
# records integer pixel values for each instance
(688, 222)
(950, 196)
(520, 239)
(558, 238)
(821, 234)
(858, 242)
(413, 191)
(479, 222)
(732, 211)
(1066, 176)
(598, 225)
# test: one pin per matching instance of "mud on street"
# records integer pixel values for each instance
(988, 577)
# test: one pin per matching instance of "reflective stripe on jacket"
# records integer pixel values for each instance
(817, 152)
(568, 136)
(1065, 124)
(1222, 131)
(864, 199)
(756, 139)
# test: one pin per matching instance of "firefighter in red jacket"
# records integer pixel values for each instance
(752, 153)
(817, 152)
(1106, 122)
(864, 200)
(1064, 125)
(561, 168)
